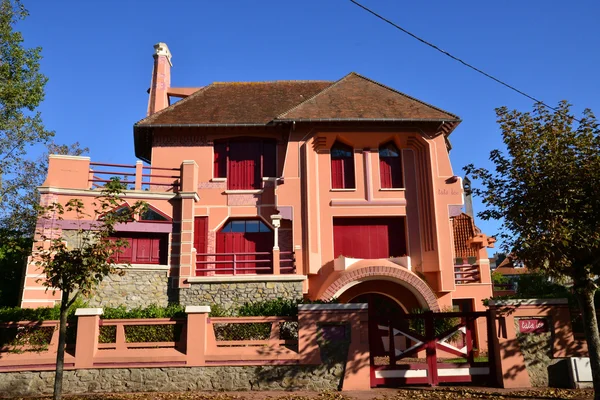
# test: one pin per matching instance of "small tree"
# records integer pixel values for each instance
(77, 268)
(546, 192)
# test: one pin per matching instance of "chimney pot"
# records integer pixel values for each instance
(161, 49)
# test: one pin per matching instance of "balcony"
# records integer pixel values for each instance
(136, 177)
(259, 263)
(80, 173)
(466, 271)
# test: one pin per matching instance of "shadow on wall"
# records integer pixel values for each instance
(535, 358)
(334, 347)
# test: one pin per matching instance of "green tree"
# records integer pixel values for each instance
(76, 269)
(499, 279)
(546, 191)
(21, 92)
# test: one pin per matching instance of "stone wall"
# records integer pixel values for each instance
(321, 377)
(537, 352)
(234, 294)
(137, 288)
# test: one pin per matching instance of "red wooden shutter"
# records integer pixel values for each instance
(127, 255)
(337, 173)
(220, 161)
(385, 172)
(155, 251)
(244, 165)
(200, 239)
(143, 250)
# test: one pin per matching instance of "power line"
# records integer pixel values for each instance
(381, 17)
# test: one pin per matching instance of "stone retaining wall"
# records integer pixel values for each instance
(234, 294)
(321, 377)
(137, 288)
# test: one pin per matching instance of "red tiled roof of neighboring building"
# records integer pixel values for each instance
(464, 229)
(507, 267)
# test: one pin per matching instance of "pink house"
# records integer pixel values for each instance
(291, 189)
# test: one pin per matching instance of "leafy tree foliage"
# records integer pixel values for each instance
(76, 268)
(21, 92)
(499, 279)
(546, 191)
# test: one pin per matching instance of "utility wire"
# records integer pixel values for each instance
(381, 17)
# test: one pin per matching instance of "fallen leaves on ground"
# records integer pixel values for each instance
(390, 394)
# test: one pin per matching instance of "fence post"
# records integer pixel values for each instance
(88, 329)
(431, 352)
(196, 335)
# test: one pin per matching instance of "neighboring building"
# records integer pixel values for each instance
(289, 189)
(512, 272)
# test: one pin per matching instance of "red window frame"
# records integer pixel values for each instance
(244, 162)
(142, 249)
(390, 166)
(342, 166)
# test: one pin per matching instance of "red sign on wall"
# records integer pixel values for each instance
(533, 326)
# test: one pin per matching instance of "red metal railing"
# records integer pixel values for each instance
(242, 263)
(466, 273)
(142, 178)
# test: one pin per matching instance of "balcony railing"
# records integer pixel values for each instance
(467, 273)
(138, 177)
(208, 264)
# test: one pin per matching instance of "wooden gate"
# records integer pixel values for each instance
(429, 348)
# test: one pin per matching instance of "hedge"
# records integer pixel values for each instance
(154, 333)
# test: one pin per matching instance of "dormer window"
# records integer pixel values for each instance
(390, 166)
(244, 162)
(342, 166)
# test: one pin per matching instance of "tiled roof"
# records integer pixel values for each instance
(507, 267)
(353, 97)
(236, 103)
(464, 229)
(356, 97)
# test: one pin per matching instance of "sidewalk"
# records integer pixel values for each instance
(450, 393)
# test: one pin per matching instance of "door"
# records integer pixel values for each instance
(369, 238)
(246, 246)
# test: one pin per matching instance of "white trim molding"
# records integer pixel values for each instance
(88, 311)
(197, 309)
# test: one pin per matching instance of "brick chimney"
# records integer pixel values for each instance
(161, 79)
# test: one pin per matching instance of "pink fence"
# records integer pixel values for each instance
(197, 340)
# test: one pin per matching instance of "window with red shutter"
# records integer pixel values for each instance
(245, 162)
(342, 166)
(220, 162)
(390, 166)
(142, 249)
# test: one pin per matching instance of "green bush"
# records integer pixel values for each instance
(143, 333)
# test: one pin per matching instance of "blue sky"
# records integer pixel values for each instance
(98, 56)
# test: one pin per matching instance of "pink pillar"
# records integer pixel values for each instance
(139, 171)
(197, 335)
(88, 329)
(357, 375)
(189, 196)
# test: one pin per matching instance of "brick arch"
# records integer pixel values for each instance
(402, 276)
